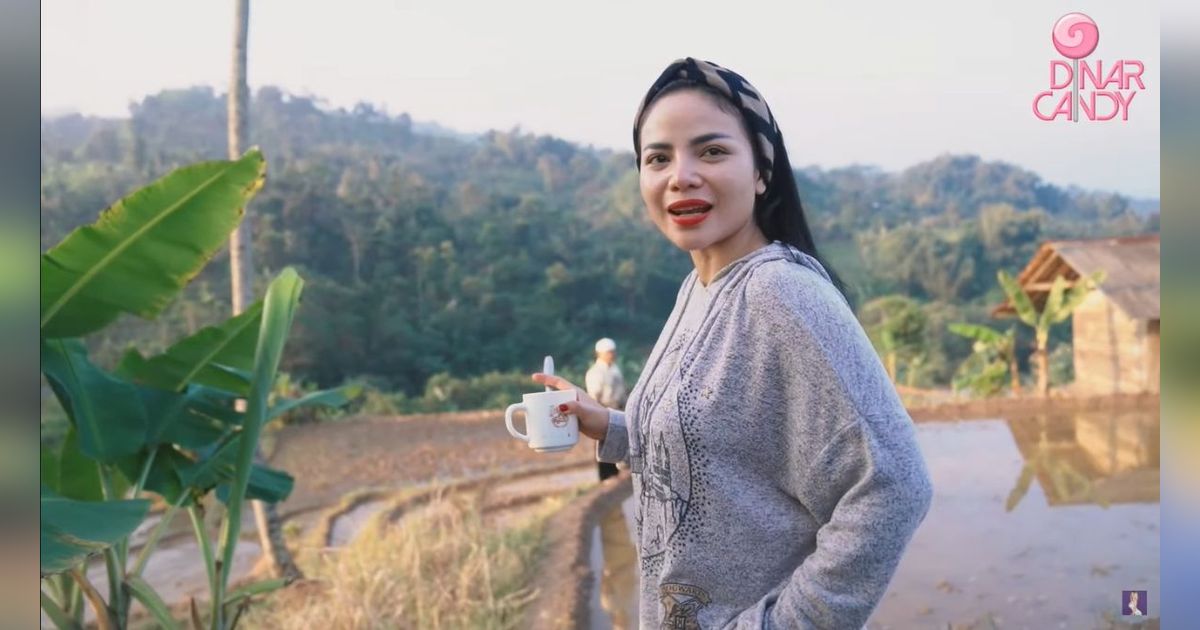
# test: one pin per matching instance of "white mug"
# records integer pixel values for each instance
(548, 429)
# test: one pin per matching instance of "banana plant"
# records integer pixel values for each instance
(896, 326)
(991, 348)
(167, 424)
(1059, 305)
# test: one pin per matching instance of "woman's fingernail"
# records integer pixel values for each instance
(562, 407)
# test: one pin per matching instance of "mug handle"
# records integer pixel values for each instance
(508, 420)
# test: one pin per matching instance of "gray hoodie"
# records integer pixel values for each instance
(777, 475)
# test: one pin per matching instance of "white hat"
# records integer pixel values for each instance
(606, 345)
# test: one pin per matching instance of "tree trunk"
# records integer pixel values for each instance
(241, 268)
(1043, 364)
(1016, 376)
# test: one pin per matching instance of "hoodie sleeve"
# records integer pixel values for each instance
(851, 455)
(614, 448)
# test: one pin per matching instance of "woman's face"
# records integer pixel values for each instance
(698, 177)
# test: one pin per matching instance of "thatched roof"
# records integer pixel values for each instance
(1130, 265)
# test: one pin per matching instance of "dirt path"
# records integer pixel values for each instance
(333, 459)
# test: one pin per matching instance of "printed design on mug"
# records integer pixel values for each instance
(681, 605)
(557, 418)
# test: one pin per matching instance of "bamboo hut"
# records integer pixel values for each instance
(1115, 331)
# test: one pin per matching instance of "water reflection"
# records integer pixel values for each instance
(1052, 550)
(1037, 521)
(616, 566)
(1088, 457)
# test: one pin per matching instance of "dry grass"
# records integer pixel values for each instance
(436, 569)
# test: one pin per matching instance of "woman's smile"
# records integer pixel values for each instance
(689, 212)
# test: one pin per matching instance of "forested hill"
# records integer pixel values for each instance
(427, 251)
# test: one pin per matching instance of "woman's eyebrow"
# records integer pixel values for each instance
(708, 137)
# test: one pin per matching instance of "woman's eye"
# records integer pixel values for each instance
(656, 158)
(713, 151)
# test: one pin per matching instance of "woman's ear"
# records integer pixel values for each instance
(760, 186)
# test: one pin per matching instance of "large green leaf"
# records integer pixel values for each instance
(49, 467)
(203, 358)
(215, 464)
(146, 247)
(977, 332)
(1053, 303)
(214, 406)
(1020, 300)
(195, 431)
(105, 411)
(163, 410)
(72, 530)
(163, 477)
(78, 475)
(266, 484)
(219, 468)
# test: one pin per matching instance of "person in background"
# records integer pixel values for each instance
(606, 385)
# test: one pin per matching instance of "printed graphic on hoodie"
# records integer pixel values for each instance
(681, 605)
(666, 475)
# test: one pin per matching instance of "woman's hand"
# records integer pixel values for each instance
(593, 417)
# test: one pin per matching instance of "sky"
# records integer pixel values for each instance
(888, 84)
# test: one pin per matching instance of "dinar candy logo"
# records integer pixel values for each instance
(1097, 90)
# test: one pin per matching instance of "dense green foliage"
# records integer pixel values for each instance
(167, 424)
(427, 252)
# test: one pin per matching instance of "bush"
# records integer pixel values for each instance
(494, 390)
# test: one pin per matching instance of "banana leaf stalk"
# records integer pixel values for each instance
(206, 551)
(279, 308)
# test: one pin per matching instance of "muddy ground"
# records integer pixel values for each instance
(332, 459)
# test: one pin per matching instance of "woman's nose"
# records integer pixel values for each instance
(684, 175)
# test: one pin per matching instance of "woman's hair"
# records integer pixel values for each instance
(778, 211)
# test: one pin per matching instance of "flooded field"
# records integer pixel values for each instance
(1036, 522)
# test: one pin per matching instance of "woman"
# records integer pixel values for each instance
(777, 475)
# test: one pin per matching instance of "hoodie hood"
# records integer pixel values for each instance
(776, 250)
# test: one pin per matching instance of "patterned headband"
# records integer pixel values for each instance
(736, 88)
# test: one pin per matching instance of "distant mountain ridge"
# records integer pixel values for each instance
(66, 134)
(429, 251)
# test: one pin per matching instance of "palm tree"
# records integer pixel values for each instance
(241, 270)
(1059, 305)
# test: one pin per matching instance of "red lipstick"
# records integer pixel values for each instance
(689, 212)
